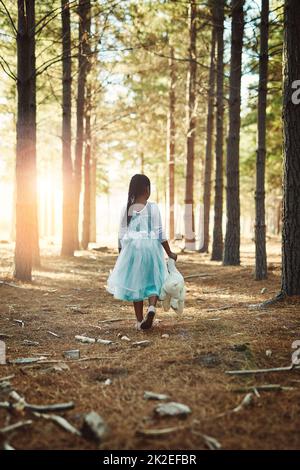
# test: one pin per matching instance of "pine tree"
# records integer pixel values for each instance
(189, 222)
(260, 223)
(67, 248)
(209, 139)
(217, 245)
(26, 197)
(232, 237)
(291, 145)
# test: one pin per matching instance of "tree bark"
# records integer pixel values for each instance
(93, 225)
(189, 223)
(67, 248)
(217, 245)
(260, 222)
(171, 144)
(232, 237)
(88, 143)
(87, 175)
(26, 197)
(83, 12)
(209, 141)
(36, 259)
(291, 145)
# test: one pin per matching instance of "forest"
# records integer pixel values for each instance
(203, 97)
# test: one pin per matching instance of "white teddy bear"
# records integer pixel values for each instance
(173, 290)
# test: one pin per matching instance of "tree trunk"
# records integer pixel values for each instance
(26, 200)
(260, 223)
(209, 140)
(171, 144)
(36, 259)
(217, 246)
(67, 248)
(232, 237)
(88, 143)
(83, 13)
(87, 176)
(93, 185)
(291, 145)
(189, 223)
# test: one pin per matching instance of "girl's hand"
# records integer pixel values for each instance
(173, 256)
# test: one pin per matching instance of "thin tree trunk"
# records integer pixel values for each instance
(87, 175)
(36, 259)
(25, 154)
(217, 245)
(232, 237)
(260, 222)
(209, 141)
(67, 248)
(171, 144)
(83, 13)
(291, 145)
(88, 142)
(189, 223)
(93, 226)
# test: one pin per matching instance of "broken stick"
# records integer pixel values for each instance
(261, 371)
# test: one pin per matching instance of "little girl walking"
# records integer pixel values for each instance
(140, 270)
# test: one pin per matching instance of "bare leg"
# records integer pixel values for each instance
(147, 323)
(138, 308)
(153, 300)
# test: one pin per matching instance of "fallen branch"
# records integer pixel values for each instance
(53, 334)
(8, 377)
(10, 284)
(211, 442)
(43, 408)
(159, 432)
(26, 360)
(191, 276)
(263, 388)
(13, 427)
(247, 401)
(261, 371)
(7, 446)
(60, 421)
(4, 404)
(216, 309)
(56, 361)
(110, 320)
(267, 303)
(55, 407)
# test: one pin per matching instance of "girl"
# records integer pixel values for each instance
(140, 269)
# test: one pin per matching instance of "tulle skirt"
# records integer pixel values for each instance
(140, 270)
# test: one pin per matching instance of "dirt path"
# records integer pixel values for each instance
(68, 298)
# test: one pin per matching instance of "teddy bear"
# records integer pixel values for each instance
(173, 290)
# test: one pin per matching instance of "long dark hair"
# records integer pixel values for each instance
(137, 186)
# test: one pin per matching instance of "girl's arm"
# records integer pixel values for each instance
(167, 249)
(161, 234)
(122, 227)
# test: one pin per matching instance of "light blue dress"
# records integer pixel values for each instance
(140, 270)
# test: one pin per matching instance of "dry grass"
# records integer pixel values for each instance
(189, 366)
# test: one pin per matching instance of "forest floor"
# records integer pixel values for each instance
(217, 332)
